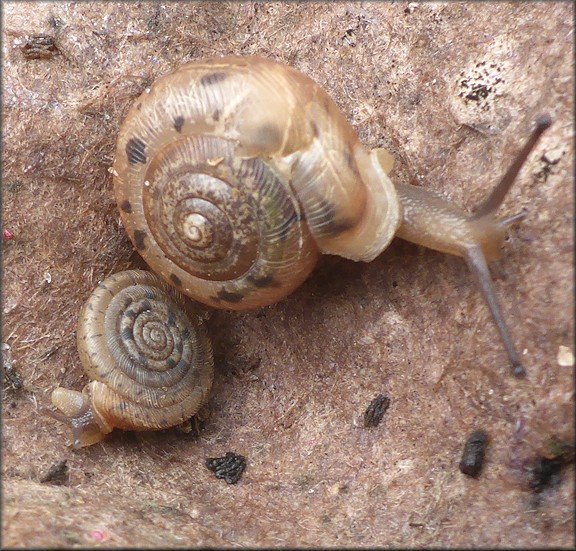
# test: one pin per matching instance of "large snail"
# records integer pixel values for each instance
(233, 175)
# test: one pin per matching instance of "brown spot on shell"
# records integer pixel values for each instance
(216, 114)
(227, 296)
(351, 161)
(126, 206)
(145, 305)
(213, 78)
(131, 314)
(178, 123)
(135, 151)
(171, 321)
(327, 105)
(332, 224)
(269, 134)
(139, 236)
(263, 281)
(315, 130)
(176, 280)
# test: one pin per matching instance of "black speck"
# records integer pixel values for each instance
(264, 281)
(230, 467)
(473, 454)
(213, 78)
(126, 206)
(479, 92)
(139, 236)
(178, 123)
(228, 297)
(55, 22)
(57, 474)
(376, 410)
(135, 151)
(12, 380)
(545, 471)
(176, 280)
(171, 318)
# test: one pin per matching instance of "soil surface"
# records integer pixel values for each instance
(451, 90)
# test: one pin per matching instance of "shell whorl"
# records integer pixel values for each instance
(150, 360)
(232, 175)
(221, 229)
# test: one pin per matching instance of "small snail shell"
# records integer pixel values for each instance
(233, 174)
(150, 360)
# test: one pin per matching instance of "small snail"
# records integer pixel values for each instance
(232, 176)
(150, 360)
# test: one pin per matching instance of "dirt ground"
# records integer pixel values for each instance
(451, 90)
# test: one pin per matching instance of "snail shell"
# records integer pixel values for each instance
(233, 174)
(149, 359)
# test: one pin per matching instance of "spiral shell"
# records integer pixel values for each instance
(150, 361)
(233, 174)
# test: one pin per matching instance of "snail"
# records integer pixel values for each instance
(148, 354)
(233, 175)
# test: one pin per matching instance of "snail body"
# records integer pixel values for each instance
(232, 176)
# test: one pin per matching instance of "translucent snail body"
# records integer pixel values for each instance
(232, 176)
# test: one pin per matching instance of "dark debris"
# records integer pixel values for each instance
(57, 474)
(473, 454)
(546, 469)
(376, 410)
(39, 46)
(230, 467)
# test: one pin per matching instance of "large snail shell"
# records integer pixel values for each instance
(233, 174)
(150, 360)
